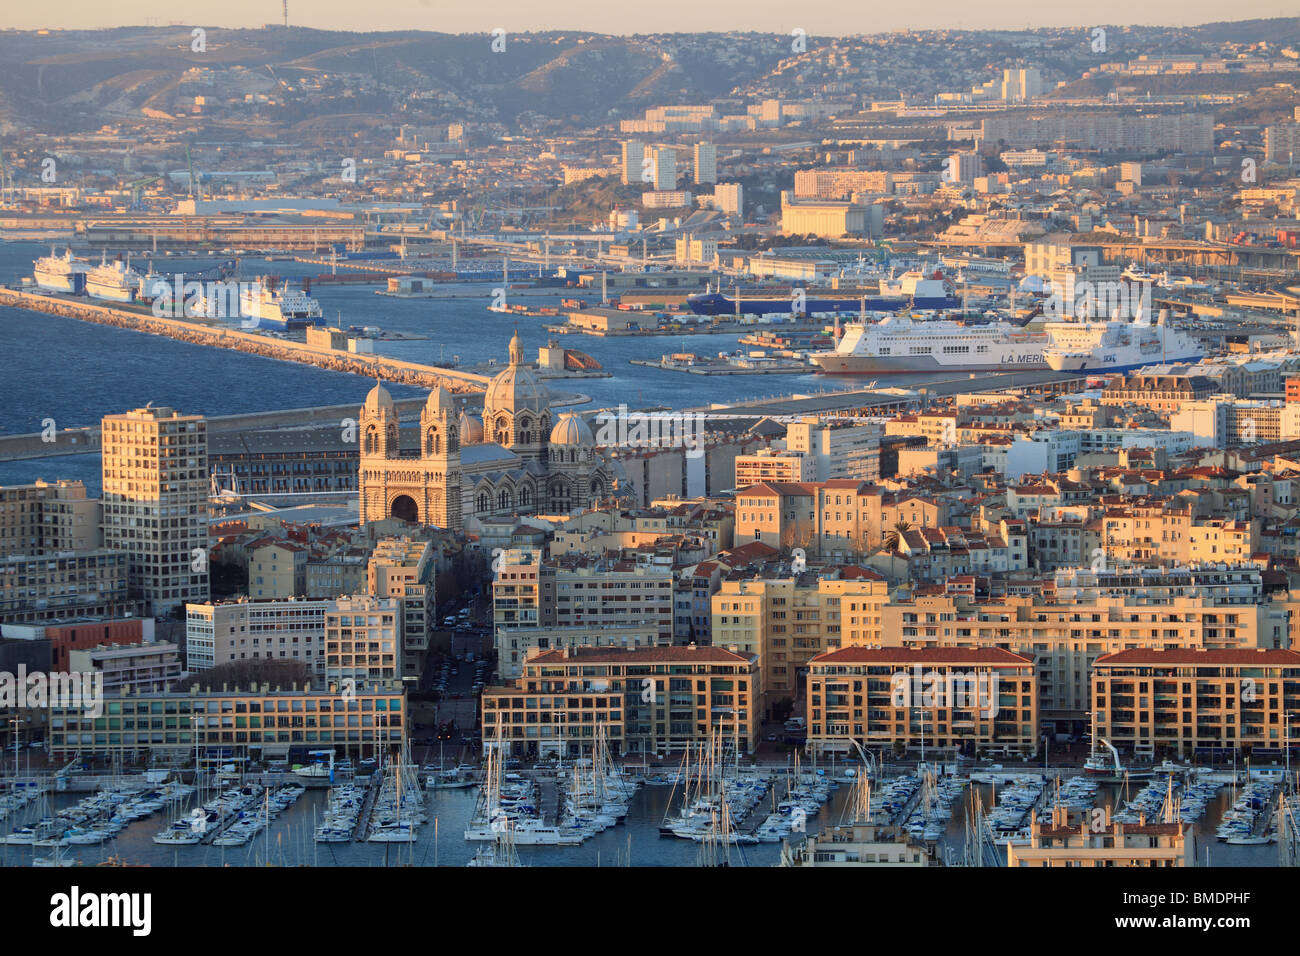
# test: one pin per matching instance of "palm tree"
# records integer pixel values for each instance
(893, 538)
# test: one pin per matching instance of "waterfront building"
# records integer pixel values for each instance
(1197, 702)
(968, 700)
(651, 701)
(1055, 841)
(155, 504)
(361, 719)
(860, 844)
(1064, 639)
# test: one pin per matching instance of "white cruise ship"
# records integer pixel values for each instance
(904, 344)
(60, 273)
(285, 306)
(1118, 345)
(114, 281)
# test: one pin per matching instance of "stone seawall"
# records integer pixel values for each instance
(370, 365)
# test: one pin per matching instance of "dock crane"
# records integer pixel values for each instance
(137, 189)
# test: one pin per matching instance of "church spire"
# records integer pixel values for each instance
(516, 349)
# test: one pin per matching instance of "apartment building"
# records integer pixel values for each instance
(361, 719)
(706, 163)
(66, 585)
(840, 183)
(277, 569)
(785, 620)
(250, 630)
(837, 449)
(594, 591)
(650, 701)
(963, 700)
(516, 644)
(403, 569)
(1064, 639)
(1197, 702)
(363, 640)
(837, 516)
(155, 502)
(145, 668)
(43, 517)
(768, 464)
(1161, 533)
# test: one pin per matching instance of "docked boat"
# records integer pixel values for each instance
(1117, 346)
(280, 305)
(60, 273)
(113, 281)
(906, 344)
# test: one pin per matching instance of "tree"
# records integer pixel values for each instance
(895, 535)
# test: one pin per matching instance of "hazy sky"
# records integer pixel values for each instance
(637, 16)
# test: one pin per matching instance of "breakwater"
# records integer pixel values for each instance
(368, 364)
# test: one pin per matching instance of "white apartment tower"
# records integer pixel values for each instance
(706, 163)
(155, 501)
(633, 157)
(665, 167)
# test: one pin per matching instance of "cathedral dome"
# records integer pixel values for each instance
(515, 390)
(378, 398)
(439, 402)
(471, 429)
(572, 430)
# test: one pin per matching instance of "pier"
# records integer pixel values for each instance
(368, 364)
(227, 819)
(362, 830)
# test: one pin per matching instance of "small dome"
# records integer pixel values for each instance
(471, 429)
(572, 430)
(439, 401)
(379, 399)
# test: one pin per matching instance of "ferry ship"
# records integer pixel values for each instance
(1118, 346)
(113, 281)
(279, 306)
(913, 290)
(60, 273)
(900, 343)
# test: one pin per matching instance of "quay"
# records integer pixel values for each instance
(869, 401)
(368, 364)
(362, 830)
(721, 368)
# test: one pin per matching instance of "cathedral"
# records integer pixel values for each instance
(515, 460)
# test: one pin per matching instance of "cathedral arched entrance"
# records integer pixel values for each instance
(404, 507)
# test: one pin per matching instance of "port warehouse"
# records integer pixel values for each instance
(306, 234)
